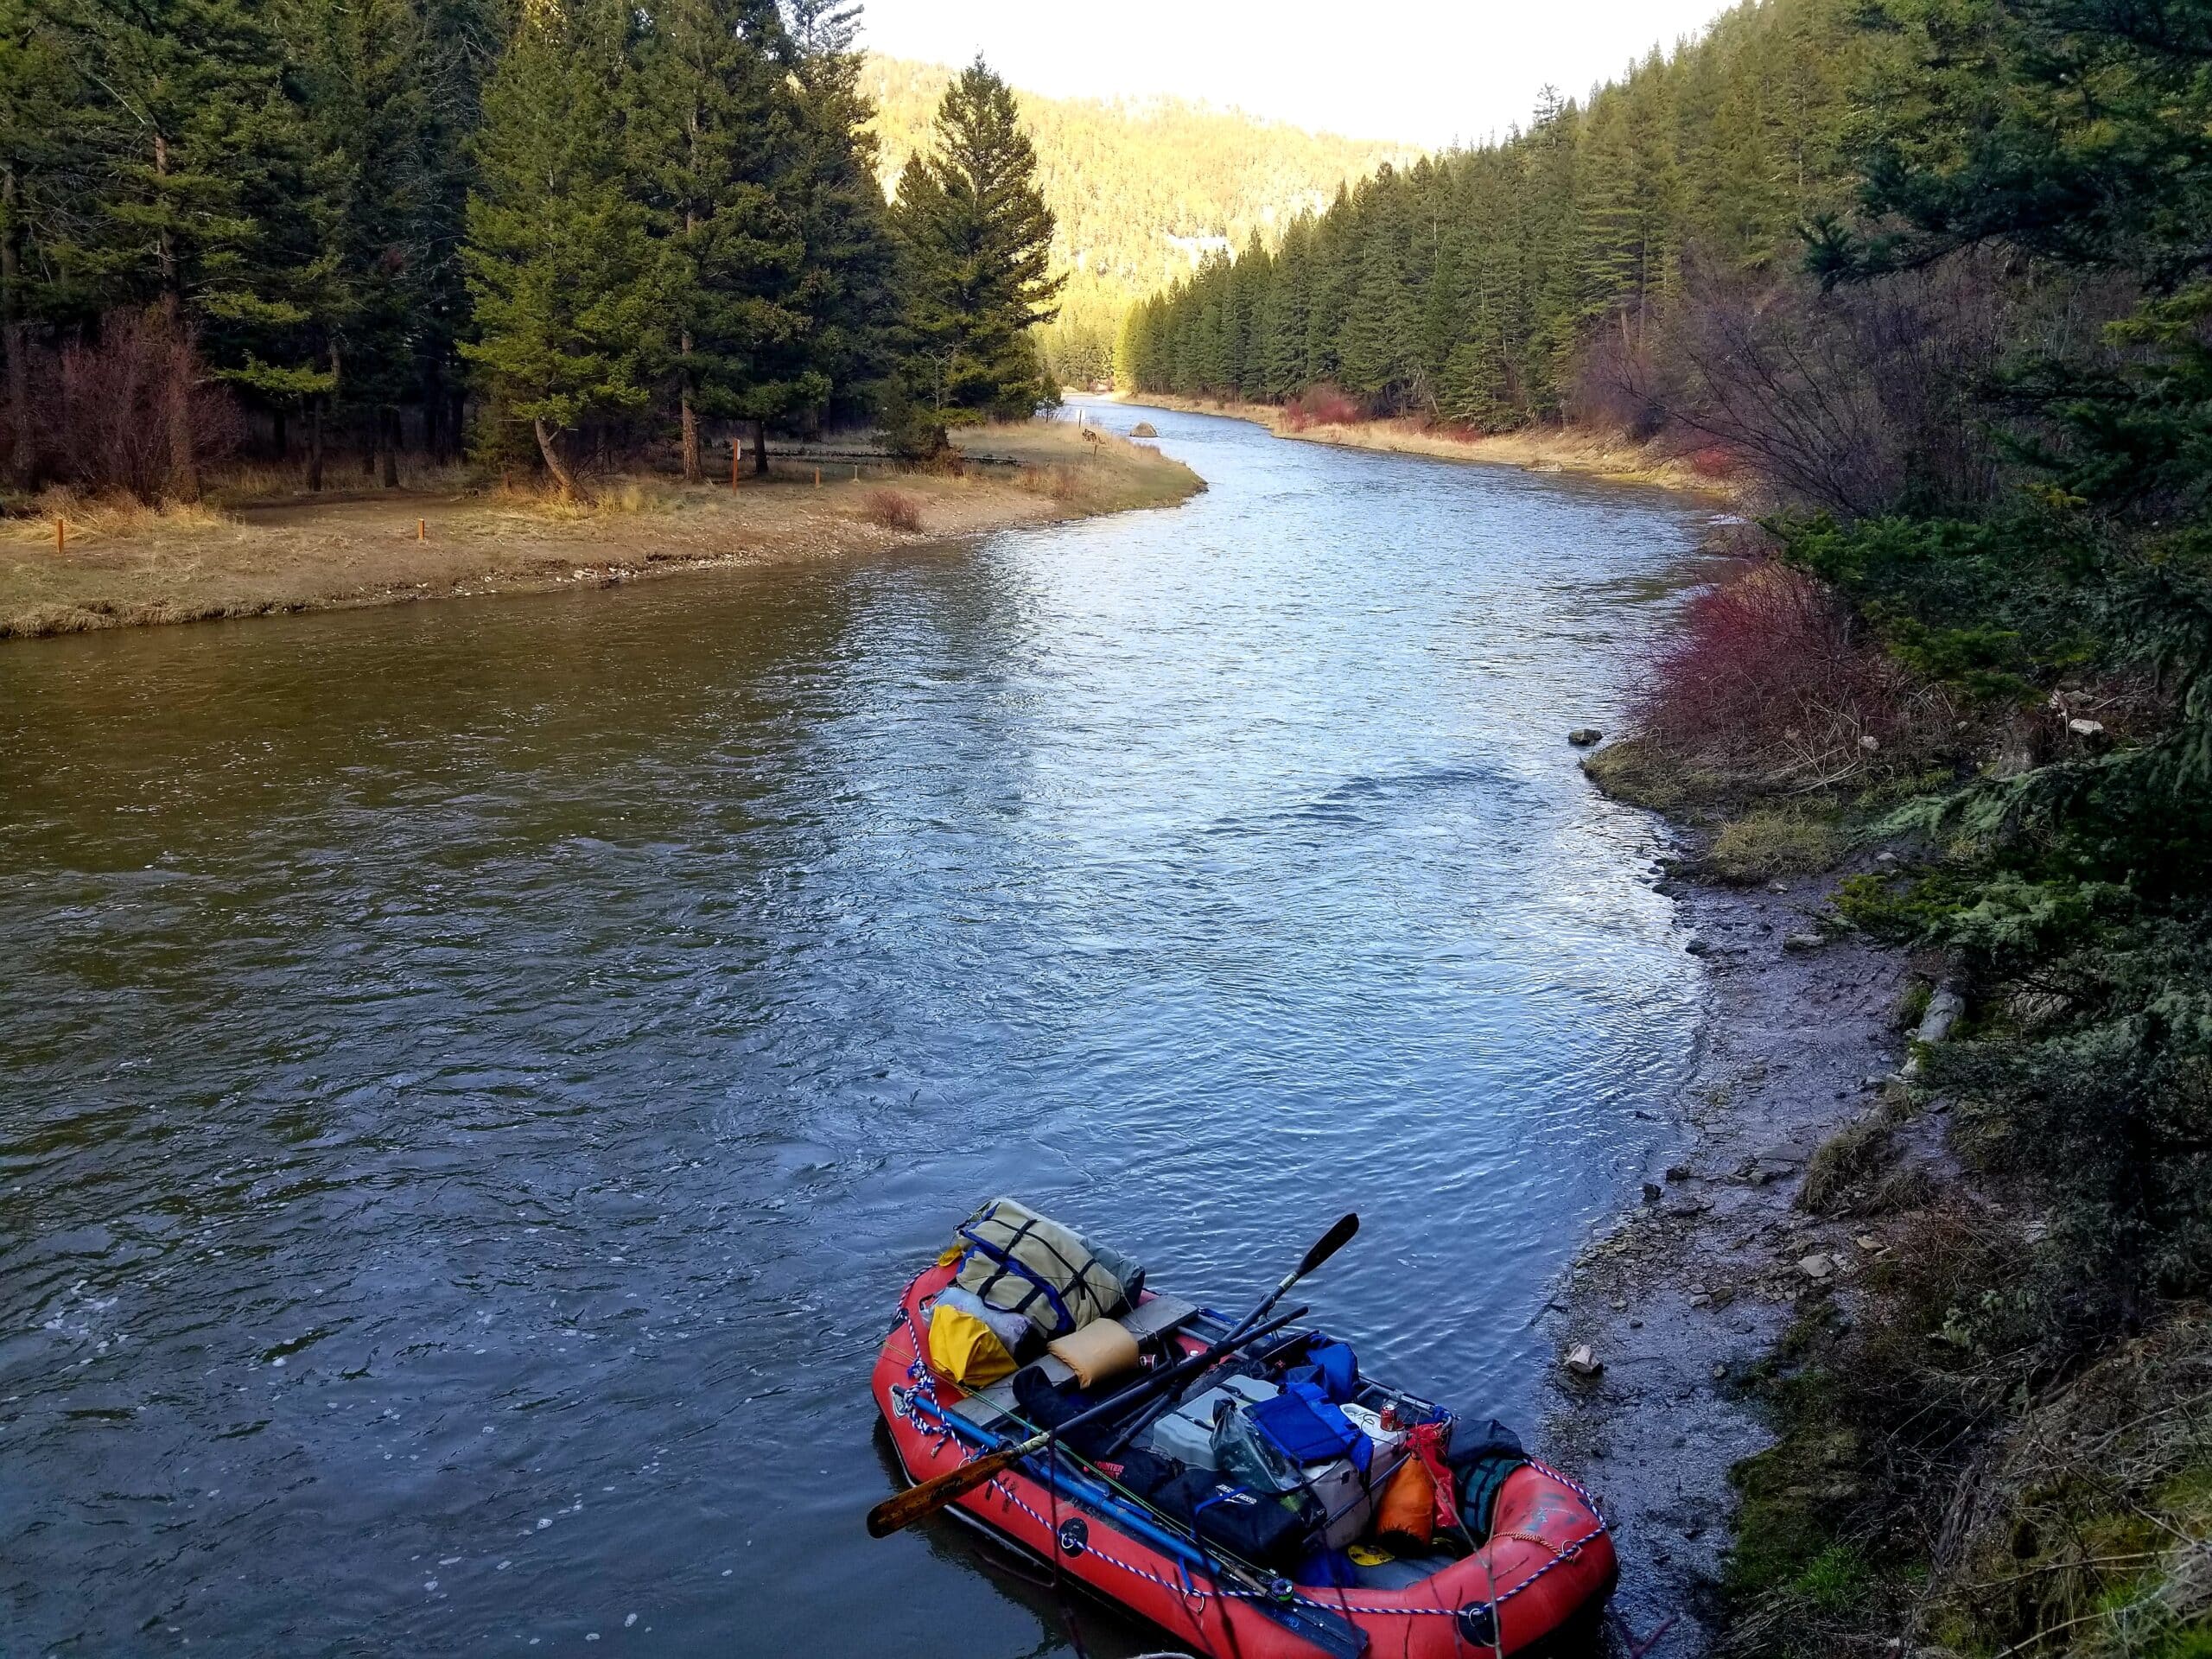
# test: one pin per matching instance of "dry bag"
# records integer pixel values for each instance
(1021, 1263)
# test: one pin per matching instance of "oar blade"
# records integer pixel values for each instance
(904, 1508)
(1332, 1241)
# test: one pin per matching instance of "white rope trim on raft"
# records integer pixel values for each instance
(924, 1385)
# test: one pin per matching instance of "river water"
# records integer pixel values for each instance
(477, 1075)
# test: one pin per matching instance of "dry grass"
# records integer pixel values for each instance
(1544, 449)
(1764, 845)
(108, 516)
(126, 564)
(1844, 1168)
(2090, 1530)
(251, 483)
(893, 510)
(1638, 772)
(1086, 469)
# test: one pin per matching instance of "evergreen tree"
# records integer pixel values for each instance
(849, 276)
(976, 236)
(200, 202)
(714, 135)
(561, 269)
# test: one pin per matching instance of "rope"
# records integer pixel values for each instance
(923, 1386)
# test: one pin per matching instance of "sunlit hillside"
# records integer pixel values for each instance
(1142, 188)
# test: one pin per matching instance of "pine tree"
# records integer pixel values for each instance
(560, 268)
(976, 236)
(201, 202)
(848, 277)
(714, 132)
(43, 182)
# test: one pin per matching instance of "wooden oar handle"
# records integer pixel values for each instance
(907, 1507)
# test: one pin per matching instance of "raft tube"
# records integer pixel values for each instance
(1546, 1569)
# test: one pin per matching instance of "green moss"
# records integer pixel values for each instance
(1786, 1526)
(1764, 845)
(1643, 775)
(1836, 1580)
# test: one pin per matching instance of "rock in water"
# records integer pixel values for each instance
(1584, 737)
(1144, 429)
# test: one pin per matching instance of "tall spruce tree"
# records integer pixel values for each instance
(201, 201)
(713, 141)
(975, 234)
(848, 278)
(561, 269)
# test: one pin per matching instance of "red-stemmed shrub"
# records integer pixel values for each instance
(1769, 674)
(1321, 405)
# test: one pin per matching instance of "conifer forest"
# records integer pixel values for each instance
(1931, 279)
(544, 234)
(1915, 297)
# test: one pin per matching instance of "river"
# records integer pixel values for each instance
(477, 1074)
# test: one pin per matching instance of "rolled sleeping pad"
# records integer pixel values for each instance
(1103, 1349)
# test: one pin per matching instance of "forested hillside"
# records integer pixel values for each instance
(560, 234)
(1141, 189)
(1467, 286)
(1930, 281)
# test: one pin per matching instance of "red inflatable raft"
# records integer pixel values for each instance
(1542, 1573)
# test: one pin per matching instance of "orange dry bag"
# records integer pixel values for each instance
(1407, 1515)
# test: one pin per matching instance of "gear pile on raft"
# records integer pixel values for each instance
(1240, 1484)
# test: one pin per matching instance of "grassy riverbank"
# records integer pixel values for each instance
(1586, 451)
(1900, 1299)
(259, 548)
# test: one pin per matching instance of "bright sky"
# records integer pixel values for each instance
(1424, 71)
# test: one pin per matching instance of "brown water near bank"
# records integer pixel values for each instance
(131, 568)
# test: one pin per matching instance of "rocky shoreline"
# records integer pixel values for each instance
(1681, 1301)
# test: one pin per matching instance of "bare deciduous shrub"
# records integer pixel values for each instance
(893, 510)
(1854, 400)
(1321, 405)
(104, 404)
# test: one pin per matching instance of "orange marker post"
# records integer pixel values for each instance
(817, 478)
(61, 535)
(422, 530)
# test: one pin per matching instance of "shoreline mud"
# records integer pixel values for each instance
(1683, 1299)
(1583, 451)
(291, 555)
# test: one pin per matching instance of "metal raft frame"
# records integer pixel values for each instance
(1069, 1479)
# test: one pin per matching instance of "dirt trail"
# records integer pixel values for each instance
(1692, 1290)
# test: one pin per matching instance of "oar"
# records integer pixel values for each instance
(905, 1507)
(932, 1496)
(1331, 1242)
